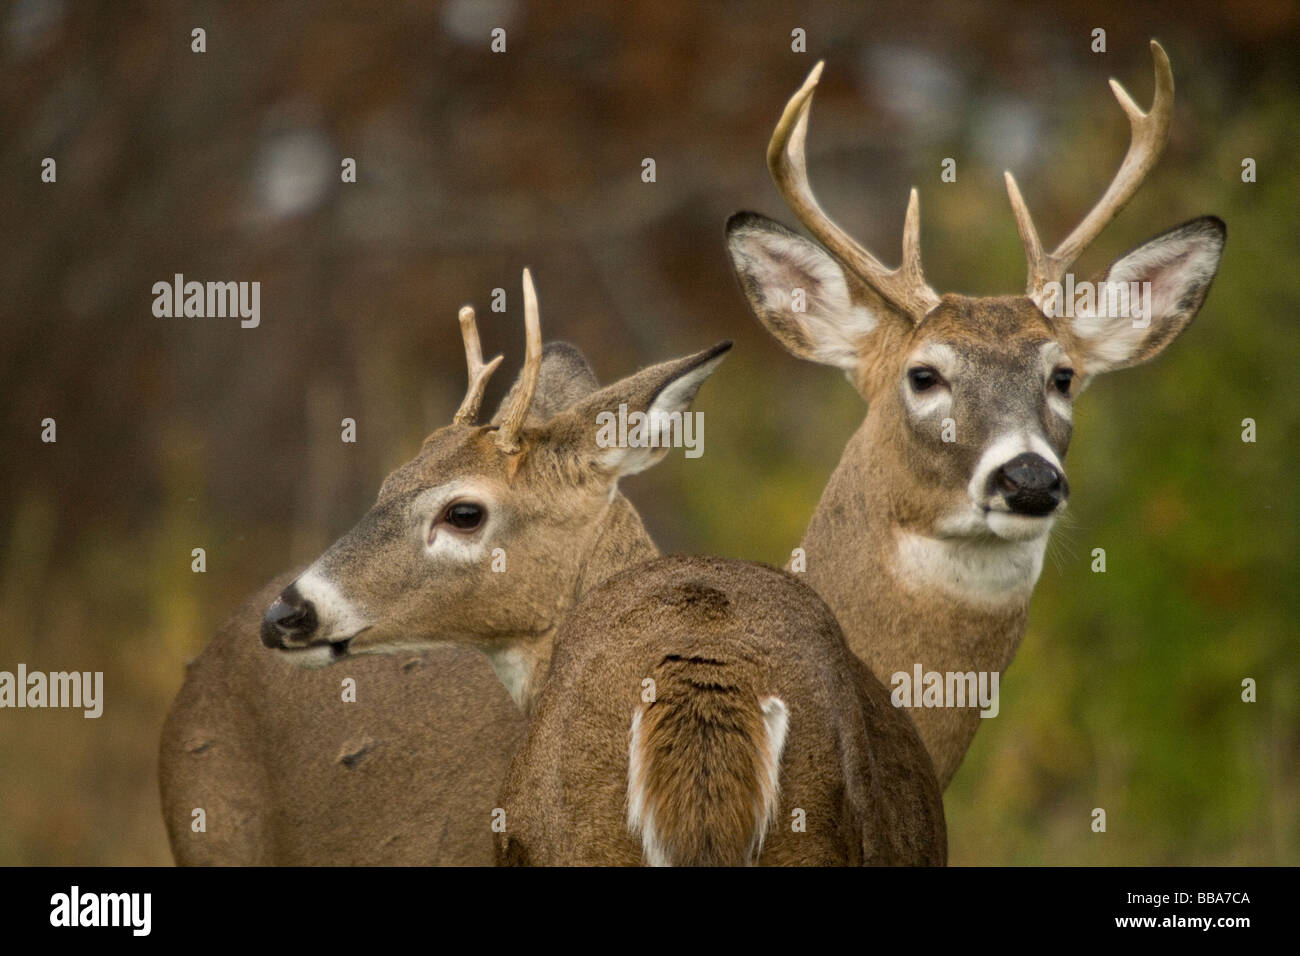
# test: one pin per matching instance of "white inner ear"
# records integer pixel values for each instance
(675, 397)
(832, 325)
(1110, 340)
(1173, 267)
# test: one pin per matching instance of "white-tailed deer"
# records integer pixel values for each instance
(490, 537)
(286, 771)
(702, 711)
(930, 534)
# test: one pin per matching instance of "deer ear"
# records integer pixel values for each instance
(800, 292)
(591, 431)
(563, 379)
(1172, 274)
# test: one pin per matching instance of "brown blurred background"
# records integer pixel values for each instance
(183, 433)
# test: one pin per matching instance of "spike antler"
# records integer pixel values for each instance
(512, 419)
(1150, 132)
(904, 287)
(479, 373)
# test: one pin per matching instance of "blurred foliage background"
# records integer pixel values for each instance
(183, 433)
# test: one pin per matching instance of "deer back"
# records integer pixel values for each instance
(676, 689)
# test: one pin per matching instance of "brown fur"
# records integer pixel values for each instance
(884, 485)
(408, 774)
(900, 504)
(260, 744)
(898, 479)
(716, 636)
(704, 749)
(888, 624)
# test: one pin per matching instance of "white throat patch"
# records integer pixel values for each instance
(987, 571)
(513, 666)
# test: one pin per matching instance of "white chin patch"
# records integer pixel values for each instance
(311, 658)
(1014, 527)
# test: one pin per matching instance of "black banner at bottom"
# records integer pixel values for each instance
(334, 905)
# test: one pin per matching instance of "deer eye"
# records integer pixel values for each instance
(922, 378)
(464, 515)
(1062, 378)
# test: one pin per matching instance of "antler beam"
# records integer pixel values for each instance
(904, 287)
(1150, 132)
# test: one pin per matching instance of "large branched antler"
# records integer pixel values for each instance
(905, 286)
(1150, 132)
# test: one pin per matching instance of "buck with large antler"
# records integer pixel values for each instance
(930, 534)
(749, 660)
(283, 770)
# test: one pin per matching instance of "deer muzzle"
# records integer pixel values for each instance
(1030, 485)
(290, 621)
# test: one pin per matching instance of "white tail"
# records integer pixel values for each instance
(651, 816)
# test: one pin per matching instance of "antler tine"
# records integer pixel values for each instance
(905, 286)
(911, 264)
(513, 419)
(1150, 132)
(479, 373)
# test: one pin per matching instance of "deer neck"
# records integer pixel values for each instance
(619, 542)
(906, 598)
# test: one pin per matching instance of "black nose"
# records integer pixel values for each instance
(289, 620)
(1030, 485)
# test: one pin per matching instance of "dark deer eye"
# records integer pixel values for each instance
(922, 378)
(464, 515)
(1062, 378)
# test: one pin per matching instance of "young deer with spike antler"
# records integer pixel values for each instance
(927, 549)
(759, 696)
(534, 486)
(409, 773)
